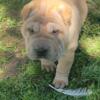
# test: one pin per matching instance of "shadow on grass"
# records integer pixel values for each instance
(13, 10)
(82, 61)
(13, 7)
(14, 32)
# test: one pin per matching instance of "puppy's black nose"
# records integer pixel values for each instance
(41, 52)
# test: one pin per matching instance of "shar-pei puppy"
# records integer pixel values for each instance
(51, 30)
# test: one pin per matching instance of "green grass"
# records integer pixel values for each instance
(32, 83)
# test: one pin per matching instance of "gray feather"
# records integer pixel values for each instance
(74, 92)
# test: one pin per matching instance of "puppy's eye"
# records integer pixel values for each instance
(31, 31)
(55, 32)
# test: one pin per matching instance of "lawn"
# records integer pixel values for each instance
(30, 83)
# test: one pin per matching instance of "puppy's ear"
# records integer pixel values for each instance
(26, 10)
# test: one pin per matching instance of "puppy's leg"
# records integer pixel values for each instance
(63, 68)
(65, 62)
(48, 65)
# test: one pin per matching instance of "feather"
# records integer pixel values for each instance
(73, 92)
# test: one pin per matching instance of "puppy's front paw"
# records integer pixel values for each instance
(47, 65)
(60, 82)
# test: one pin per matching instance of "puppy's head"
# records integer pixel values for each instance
(45, 28)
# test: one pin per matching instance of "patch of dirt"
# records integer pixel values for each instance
(12, 68)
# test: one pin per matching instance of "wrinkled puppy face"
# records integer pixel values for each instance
(44, 29)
